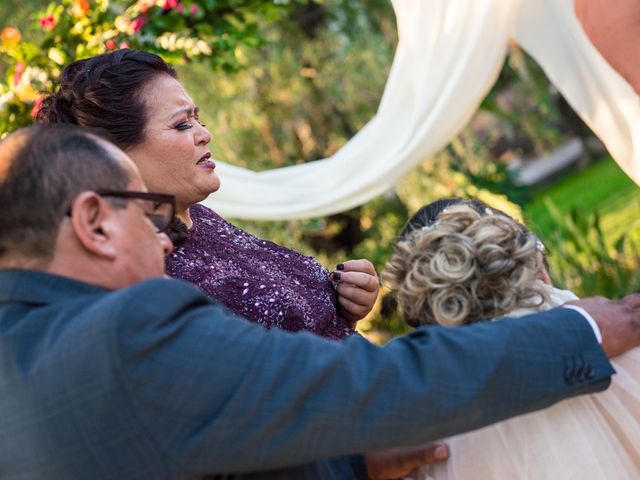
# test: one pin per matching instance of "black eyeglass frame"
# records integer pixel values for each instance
(164, 198)
(137, 195)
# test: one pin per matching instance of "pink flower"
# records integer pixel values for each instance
(124, 45)
(194, 9)
(18, 71)
(169, 4)
(145, 5)
(48, 22)
(110, 44)
(136, 25)
(37, 105)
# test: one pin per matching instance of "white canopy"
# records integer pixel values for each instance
(448, 57)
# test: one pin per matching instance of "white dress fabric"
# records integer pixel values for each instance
(448, 57)
(591, 437)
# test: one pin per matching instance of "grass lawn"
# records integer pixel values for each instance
(600, 187)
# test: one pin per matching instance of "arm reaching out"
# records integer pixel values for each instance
(618, 321)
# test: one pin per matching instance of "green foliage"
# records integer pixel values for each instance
(469, 157)
(600, 187)
(179, 30)
(526, 108)
(303, 94)
(585, 260)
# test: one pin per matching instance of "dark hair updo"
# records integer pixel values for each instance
(104, 92)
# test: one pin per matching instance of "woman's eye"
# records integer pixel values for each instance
(184, 126)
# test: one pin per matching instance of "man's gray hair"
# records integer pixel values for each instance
(42, 169)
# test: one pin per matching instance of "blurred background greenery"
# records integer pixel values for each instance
(316, 77)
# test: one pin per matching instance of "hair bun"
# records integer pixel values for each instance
(105, 92)
(466, 266)
(451, 306)
(454, 261)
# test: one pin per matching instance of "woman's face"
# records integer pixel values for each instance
(174, 156)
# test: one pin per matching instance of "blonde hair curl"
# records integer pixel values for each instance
(466, 267)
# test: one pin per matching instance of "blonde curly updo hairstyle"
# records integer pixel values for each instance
(469, 264)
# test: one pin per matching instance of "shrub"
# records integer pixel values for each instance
(180, 31)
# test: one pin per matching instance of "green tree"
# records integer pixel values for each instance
(214, 31)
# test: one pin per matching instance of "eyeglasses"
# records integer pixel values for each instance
(159, 208)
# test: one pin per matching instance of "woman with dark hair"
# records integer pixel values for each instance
(460, 261)
(135, 97)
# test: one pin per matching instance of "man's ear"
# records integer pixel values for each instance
(91, 216)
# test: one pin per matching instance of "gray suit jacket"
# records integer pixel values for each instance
(157, 382)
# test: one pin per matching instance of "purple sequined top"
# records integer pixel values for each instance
(260, 280)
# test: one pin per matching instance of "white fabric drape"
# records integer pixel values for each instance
(551, 33)
(448, 56)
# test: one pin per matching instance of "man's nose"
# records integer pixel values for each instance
(167, 244)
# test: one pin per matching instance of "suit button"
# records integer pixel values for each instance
(569, 376)
(589, 373)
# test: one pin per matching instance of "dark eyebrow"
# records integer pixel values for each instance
(188, 111)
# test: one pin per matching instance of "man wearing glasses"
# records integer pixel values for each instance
(109, 371)
(159, 208)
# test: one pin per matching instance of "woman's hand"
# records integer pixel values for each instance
(356, 282)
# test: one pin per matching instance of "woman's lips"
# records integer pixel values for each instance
(206, 162)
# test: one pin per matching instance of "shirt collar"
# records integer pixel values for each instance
(40, 288)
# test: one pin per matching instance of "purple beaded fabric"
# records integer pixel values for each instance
(260, 280)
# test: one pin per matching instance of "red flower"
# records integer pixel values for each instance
(180, 8)
(18, 72)
(136, 25)
(110, 44)
(48, 22)
(194, 9)
(169, 4)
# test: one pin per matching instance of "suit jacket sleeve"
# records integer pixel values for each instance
(219, 394)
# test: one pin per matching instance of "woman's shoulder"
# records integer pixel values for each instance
(200, 212)
(556, 298)
(205, 221)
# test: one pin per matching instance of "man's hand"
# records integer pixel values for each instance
(357, 286)
(619, 321)
(400, 462)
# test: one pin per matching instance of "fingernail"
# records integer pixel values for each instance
(336, 275)
(340, 266)
(440, 453)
